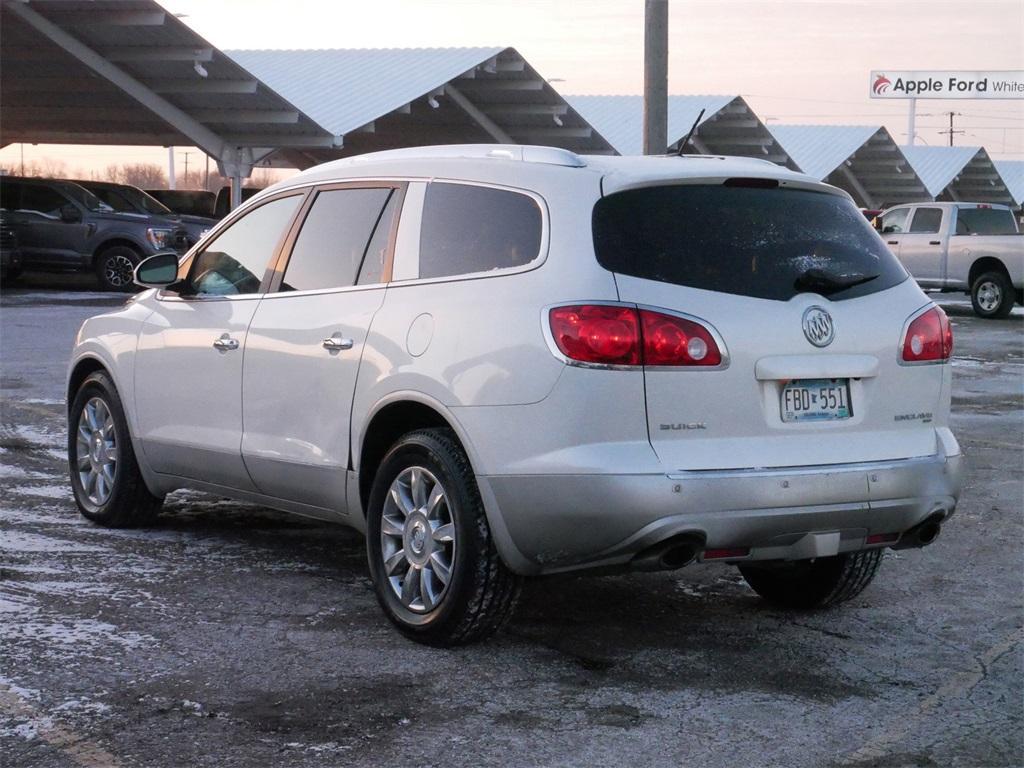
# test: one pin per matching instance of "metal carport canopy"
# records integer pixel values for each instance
(728, 126)
(386, 98)
(959, 173)
(861, 159)
(1012, 173)
(128, 72)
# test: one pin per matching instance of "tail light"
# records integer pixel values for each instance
(929, 338)
(602, 334)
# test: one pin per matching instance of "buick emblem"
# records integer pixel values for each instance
(818, 326)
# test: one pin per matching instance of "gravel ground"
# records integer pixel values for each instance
(230, 635)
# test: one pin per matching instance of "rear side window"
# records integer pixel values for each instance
(470, 229)
(10, 195)
(763, 243)
(926, 221)
(334, 237)
(985, 221)
(234, 262)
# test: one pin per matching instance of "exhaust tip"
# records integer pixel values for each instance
(673, 553)
(928, 532)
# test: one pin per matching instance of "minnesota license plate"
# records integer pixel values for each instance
(816, 400)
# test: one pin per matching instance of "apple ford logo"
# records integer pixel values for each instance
(818, 326)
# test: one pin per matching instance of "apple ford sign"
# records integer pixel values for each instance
(897, 84)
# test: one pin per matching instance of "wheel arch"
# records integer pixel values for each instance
(985, 264)
(80, 371)
(403, 412)
(119, 241)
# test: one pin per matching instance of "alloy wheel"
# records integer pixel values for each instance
(417, 539)
(990, 296)
(96, 451)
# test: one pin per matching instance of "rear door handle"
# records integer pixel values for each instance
(225, 343)
(892, 242)
(336, 343)
(934, 242)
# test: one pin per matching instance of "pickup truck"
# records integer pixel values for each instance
(60, 226)
(974, 248)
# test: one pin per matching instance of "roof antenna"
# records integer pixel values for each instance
(682, 144)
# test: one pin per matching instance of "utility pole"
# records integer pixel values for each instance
(170, 169)
(186, 168)
(655, 123)
(206, 181)
(950, 130)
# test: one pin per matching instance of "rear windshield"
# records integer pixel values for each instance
(768, 243)
(985, 221)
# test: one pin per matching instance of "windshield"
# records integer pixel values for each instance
(768, 243)
(85, 197)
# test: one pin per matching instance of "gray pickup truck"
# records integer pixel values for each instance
(61, 227)
(973, 248)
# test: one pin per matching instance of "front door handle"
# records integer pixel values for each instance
(892, 242)
(225, 343)
(336, 343)
(934, 242)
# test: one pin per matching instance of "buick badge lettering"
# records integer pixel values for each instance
(818, 327)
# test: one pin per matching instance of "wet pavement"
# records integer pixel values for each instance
(229, 635)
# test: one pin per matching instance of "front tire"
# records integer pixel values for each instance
(818, 583)
(105, 476)
(115, 267)
(434, 565)
(992, 295)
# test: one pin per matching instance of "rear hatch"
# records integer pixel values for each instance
(809, 306)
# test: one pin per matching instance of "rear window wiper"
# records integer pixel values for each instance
(825, 282)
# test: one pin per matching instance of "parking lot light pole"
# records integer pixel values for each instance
(655, 122)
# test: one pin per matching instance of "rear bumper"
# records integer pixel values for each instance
(552, 523)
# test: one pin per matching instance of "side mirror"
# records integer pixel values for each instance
(158, 271)
(70, 214)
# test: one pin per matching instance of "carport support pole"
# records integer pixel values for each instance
(911, 116)
(170, 169)
(655, 139)
(236, 191)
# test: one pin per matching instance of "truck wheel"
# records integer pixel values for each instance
(105, 476)
(115, 267)
(435, 569)
(992, 295)
(814, 583)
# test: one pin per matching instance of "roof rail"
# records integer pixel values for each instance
(522, 152)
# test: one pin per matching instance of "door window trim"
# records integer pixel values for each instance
(276, 276)
(185, 266)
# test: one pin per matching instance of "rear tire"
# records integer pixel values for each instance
(816, 583)
(105, 476)
(115, 268)
(436, 571)
(992, 295)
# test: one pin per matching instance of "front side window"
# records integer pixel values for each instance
(42, 200)
(10, 195)
(895, 222)
(926, 221)
(468, 229)
(235, 260)
(334, 237)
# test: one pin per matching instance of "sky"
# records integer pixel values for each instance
(795, 61)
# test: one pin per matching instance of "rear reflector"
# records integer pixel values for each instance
(602, 334)
(722, 554)
(882, 538)
(929, 338)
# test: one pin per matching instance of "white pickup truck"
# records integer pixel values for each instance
(971, 247)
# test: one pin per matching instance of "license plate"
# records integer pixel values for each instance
(816, 400)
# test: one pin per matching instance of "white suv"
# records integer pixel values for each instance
(500, 361)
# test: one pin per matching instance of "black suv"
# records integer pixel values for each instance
(124, 198)
(62, 227)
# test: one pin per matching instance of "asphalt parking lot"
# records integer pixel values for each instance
(229, 635)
